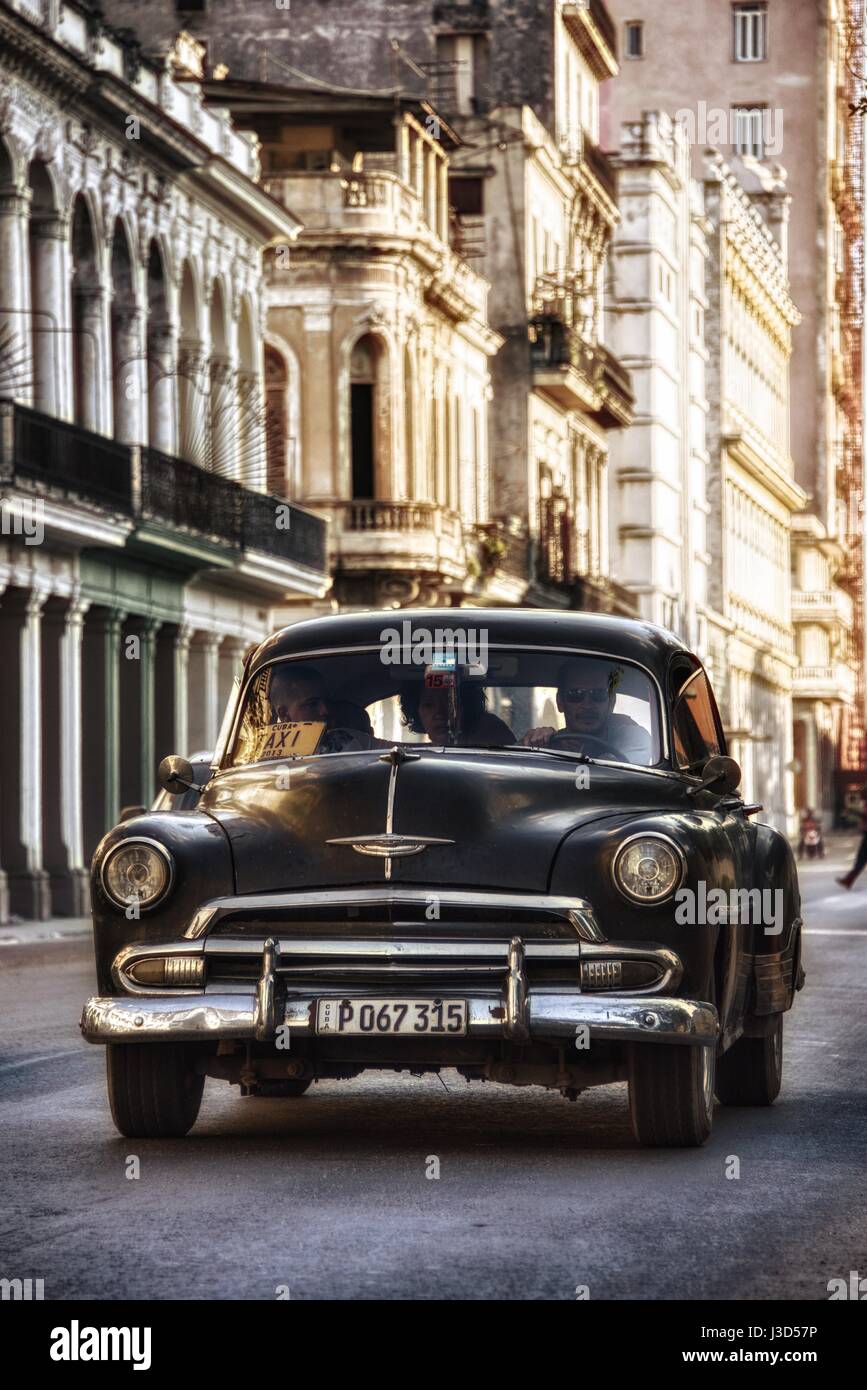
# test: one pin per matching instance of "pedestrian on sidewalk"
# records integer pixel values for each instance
(861, 857)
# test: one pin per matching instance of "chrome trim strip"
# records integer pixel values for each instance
(142, 951)
(360, 956)
(578, 910)
(379, 950)
(550, 1016)
(389, 845)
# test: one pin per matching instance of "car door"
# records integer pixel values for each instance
(697, 734)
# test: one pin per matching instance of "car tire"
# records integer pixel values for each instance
(154, 1089)
(751, 1072)
(671, 1088)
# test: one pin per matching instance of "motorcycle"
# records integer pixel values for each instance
(811, 843)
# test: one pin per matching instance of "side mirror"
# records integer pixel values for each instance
(176, 774)
(128, 812)
(719, 774)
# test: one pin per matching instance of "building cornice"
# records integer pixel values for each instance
(765, 472)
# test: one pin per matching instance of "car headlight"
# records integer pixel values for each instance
(648, 868)
(137, 871)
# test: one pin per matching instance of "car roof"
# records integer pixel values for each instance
(627, 638)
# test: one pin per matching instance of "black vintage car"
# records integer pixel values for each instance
(506, 842)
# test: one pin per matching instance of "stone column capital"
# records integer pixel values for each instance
(49, 226)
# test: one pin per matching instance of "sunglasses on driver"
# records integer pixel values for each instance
(576, 695)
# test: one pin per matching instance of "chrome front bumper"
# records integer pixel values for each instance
(544, 1015)
(291, 969)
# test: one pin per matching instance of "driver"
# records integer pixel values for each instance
(586, 691)
(297, 693)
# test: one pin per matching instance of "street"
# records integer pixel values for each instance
(327, 1197)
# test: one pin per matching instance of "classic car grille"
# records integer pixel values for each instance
(433, 962)
(370, 936)
(374, 914)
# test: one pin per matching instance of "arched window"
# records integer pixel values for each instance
(125, 347)
(86, 319)
(45, 271)
(160, 358)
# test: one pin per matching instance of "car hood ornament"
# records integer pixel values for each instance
(390, 845)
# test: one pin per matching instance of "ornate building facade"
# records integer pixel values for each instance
(140, 551)
(766, 77)
(526, 201)
(378, 345)
(703, 493)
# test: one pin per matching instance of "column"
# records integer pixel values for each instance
(128, 391)
(162, 349)
(231, 663)
(193, 398)
(21, 753)
(15, 290)
(442, 200)
(224, 419)
(101, 735)
(92, 405)
(52, 364)
(171, 720)
(62, 629)
(137, 659)
(604, 568)
(593, 509)
(204, 692)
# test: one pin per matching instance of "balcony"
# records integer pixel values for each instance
(826, 606)
(187, 499)
(369, 206)
(579, 374)
(618, 401)
(412, 542)
(56, 460)
(169, 505)
(830, 683)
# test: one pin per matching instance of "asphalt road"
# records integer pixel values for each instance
(328, 1194)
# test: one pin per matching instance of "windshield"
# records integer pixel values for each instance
(595, 706)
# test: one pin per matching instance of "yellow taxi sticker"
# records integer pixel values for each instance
(296, 739)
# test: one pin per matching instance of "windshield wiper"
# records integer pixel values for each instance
(537, 748)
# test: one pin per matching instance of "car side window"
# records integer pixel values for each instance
(695, 721)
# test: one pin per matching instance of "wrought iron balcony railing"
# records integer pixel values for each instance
(52, 458)
(63, 460)
(184, 497)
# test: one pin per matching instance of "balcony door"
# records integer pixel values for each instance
(362, 415)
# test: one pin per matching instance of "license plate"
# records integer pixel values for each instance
(442, 1017)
